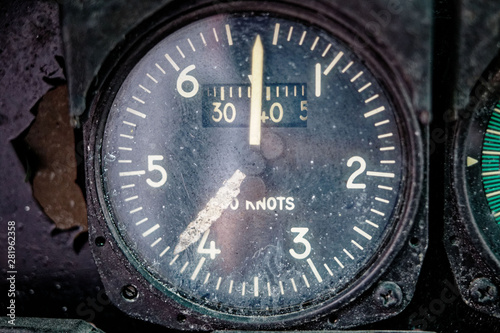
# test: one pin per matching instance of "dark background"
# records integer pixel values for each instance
(57, 277)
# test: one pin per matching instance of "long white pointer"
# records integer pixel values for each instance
(256, 86)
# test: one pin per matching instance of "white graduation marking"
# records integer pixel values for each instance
(365, 87)
(387, 148)
(180, 51)
(151, 230)
(160, 68)
(125, 161)
(222, 93)
(348, 254)
(382, 200)
(314, 270)
(268, 93)
(276, 33)
(362, 233)
(382, 187)
(383, 122)
(173, 260)
(129, 123)
(374, 112)
(387, 162)
(152, 78)
(156, 242)
(303, 37)
(277, 91)
(184, 267)
(357, 76)
(380, 174)
(371, 99)
(132, 173)
(281, 288)
(142, 221)
(215, 35)
(164, 251)
(347, 67)
(135, 197)
(318, 80)
(305, 281)
(338, 262)
(315, 43)
(138, 100)
(135, 112)
(293, 285)
(172, 62)
(328, 269)
(126, 136)
(145, 89)
(127, 186)
(228, 33)
(494, 153)
(243, 289)
(198, 268)
(387, 135)
(377, 212)
(125, 148)
(206, 278)
(492, 173)
(333, 63)
(497, 133)
(356, 244)
(371, 223)
(203, 39)
(269, 289)
(231, 286)
(326, 50)
(289, 34)
(492, 194)
(256, 286)
(218, 283)
(230, 92)
(135, 210)
(191, 44)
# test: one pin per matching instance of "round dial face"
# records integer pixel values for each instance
(252, 164)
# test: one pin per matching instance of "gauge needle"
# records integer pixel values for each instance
(211, 213)
(256, 85)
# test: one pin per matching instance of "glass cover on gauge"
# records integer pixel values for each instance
(252, 163)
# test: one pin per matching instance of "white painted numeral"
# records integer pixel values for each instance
(228, 116)
(280, 114)
(361, 169)
(301, 240)
(184, 77)
(154, 167)
(211, 250)
(303, 107)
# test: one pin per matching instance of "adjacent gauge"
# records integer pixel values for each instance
(472, 228)
(480, 138)
(252, 167)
